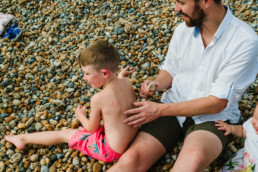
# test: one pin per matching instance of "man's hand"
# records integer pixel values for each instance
(81, 112)
(146, 112)
(224, 126)
(145, 92)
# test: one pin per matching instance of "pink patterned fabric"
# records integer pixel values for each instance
(94, 145)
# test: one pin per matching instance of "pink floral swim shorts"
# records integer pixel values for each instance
(94, 145)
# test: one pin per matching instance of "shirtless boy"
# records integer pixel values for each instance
(99, 63)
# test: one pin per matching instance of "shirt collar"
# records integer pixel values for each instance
(223, 26)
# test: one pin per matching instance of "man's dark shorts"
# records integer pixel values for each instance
(168, 131)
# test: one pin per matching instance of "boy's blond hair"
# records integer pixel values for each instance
(100, 54)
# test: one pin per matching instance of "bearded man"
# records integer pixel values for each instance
(211, 61)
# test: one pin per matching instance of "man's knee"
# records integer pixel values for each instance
(197, 154)
(128, 162)
(130, 159)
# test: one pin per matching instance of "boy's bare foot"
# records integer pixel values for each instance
(16, 140)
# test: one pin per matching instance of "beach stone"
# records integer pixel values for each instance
(53, 168)
(97, 167)
(84, 159)
(44, 161)
(29, 121)
(44, 169)
(76, 161)
(152, 86)
(38, 126)
(74, 123)
(9, 153)
(21, 125)
(26, 162)
(8, 145)
(166, 167)
(9, 119)
(2, 166)
(16, 102)
(33, 157)
(16, 158)
(256, 91)
(2, 154)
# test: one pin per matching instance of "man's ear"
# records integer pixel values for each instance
(208, 3)
(105, 72)
(205, 3)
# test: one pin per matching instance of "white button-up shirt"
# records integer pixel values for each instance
(224, 69)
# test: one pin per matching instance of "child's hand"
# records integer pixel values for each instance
(126, 71)
(224, 126)
(80, 112)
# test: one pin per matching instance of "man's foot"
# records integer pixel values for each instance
(16, 140)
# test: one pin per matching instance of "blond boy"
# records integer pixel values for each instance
(99, 63)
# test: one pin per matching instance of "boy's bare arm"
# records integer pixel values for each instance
(236, 130)
(126, 71)
(91, 124)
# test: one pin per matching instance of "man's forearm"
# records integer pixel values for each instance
(200, 106)
(164, 79)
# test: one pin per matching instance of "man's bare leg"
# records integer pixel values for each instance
(199, 150)
(141, 155)
(42, 138)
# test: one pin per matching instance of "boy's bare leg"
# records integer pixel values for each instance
(42, 138)
(199, 150)
(144, 151)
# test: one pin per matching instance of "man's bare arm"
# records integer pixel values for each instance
(148, 111)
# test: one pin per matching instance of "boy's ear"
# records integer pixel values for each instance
(105, 72)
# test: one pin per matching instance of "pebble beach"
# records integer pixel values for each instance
(41, 83)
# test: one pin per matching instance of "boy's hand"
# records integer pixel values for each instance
(81, 112)
(224, 126)
(126, 71)
(146, 89)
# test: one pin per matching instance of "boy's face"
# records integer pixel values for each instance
(255, 120)
(92, 76)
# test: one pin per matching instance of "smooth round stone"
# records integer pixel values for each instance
(2, 166)
(44, 169)
(16, 102)
(76, 161)
(33, 157)
(16, 158)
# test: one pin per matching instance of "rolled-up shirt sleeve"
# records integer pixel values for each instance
(238, 74)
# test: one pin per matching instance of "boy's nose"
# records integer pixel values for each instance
(84, 77)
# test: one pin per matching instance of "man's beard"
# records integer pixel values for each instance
(198, 15)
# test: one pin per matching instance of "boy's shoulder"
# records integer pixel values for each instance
(101, 95)
(97, 97)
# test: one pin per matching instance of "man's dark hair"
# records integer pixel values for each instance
(218, 2)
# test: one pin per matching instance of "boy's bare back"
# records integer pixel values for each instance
(117, 96)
